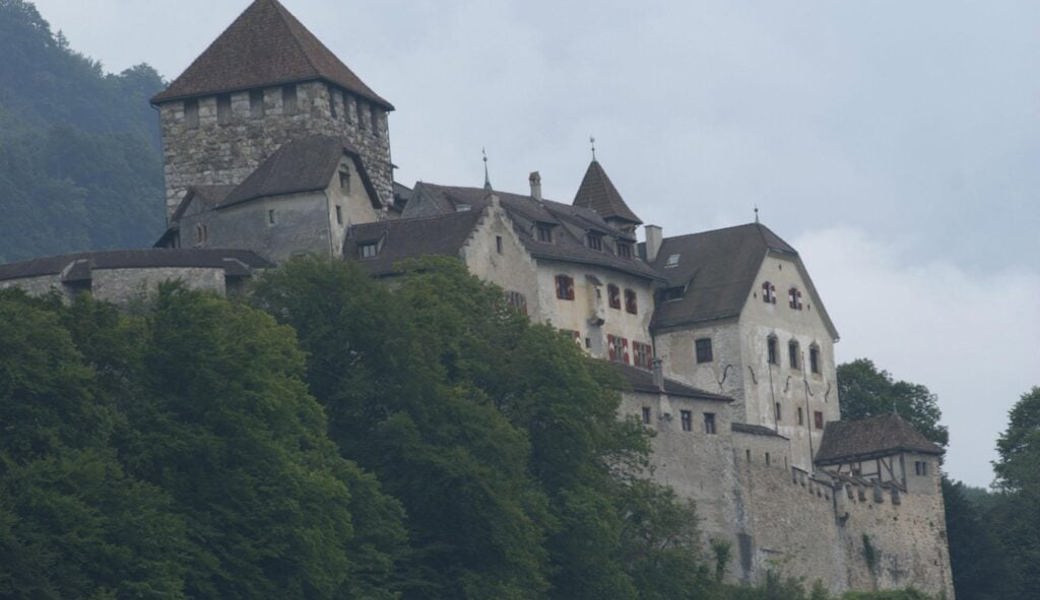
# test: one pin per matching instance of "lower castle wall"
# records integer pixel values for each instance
(120, 286)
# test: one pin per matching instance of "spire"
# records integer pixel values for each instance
(487, 180)
(592, 142)
(598, 193)
(265, 46)
(756, 213)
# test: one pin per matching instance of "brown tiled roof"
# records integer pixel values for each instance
(717, 270)
(80, 264)
(303, 165)
(399, 239)
(642, 380)
(755, 430)
(265, 46)
(873, 437)
(571, 224)
(598, 193)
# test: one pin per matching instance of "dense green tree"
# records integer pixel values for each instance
(866, 391)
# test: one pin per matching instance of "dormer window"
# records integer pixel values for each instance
(368, 250)
(624, 249)
(543, 232)
(614, 296)
(594, 240)
(794, 298)
(673, 261)
(672, 293)
(768, 293)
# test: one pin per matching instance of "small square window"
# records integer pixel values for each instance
(544, 232)
(703, 350)
(646, 415)
(624, 249)
(920, 467)
(709, 423)
(369, 250)
(518, 301)
(687, 420)
(673, 261)
(794, 298)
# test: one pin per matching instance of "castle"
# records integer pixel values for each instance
(273, 148)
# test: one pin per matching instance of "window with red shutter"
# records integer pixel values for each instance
(564, 287)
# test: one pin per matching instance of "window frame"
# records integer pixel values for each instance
(594, 241)
(614, 296)
(646, 415)
(794, 355)
(564, 287)
(686, 420)
(772, 350)
(702, 350)
(290, 99)
(631, 302)
(544, 232)
(710, 426)
(768, 293)
(368, 250)
(794, 298)
(818, 420)
(814, 359)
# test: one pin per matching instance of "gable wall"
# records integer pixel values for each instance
(512, 269)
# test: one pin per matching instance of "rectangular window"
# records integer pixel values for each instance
(368, 250)
(344, 182)
(256, 103)
(767, 459)
(793, 355)
(518, 301)
(617, 349)
(498, 243)
(289, 99)
(818, 418)
(646, 415)
(614, 296)
(771, 351)
(191, 113)
(223, 109)
(814, 359)
(801, 416)
(643, 354)
(779, 415)
(794, 298)
(687, 420)
(544, 232)
(709, 423)
(332, 103)
(339, 215)
(920, 467)
(270, 217)
(564, 287)
(624, 250)
(703, 350)
(630, 302)
(595, 241)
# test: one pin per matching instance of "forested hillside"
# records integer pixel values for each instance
(80, 162)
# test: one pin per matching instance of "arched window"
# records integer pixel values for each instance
(771, 350)
(768, 293)
(794, 298)
(200, 234)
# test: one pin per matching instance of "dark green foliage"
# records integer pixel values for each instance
(975, 555)
(80, 166)
(865, 391)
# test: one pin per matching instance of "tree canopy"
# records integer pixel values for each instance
(865, 391)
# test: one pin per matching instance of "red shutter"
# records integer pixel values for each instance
(624, 344)
(610, 347)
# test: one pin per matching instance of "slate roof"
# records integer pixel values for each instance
(398, 239)
(717, 270)
(761, 430)
(598, 193)
(571, 225)
(873, 437)
(207, 196)
(265, 46)
(642, 380)
(305, 164)
(77, 266)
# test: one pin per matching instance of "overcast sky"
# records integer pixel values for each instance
(895, 144)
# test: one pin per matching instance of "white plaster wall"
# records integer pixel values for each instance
(512, 269)
(356, 206)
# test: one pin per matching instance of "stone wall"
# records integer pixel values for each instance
(122, 286)
(226, 151)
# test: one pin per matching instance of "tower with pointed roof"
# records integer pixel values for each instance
(265, 81)
(598, 193)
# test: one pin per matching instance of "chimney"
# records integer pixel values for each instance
(536, 185)
(653, 241)
(659, 373)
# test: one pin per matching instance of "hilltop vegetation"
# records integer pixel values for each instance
(328, 438)
(80, 165)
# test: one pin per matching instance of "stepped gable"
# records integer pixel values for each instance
(716, 271)
(265, 46)
(302, 165)
(598, 193)
(873, 437)
(400, 239)
(80, 264)
(572, 224)
(641, 380)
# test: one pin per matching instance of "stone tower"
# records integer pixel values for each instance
(265, 81)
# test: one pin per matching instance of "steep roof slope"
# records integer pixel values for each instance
(598, 193)
(571, 223)
(265, 46)
(399, 239)
(873, 437)
(303, 165)
(717, 270)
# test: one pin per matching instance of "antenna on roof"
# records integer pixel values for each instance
(487, 180)
(592, 142)
(756, 213)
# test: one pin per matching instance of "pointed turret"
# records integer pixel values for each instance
(598, 193)
(264, 82)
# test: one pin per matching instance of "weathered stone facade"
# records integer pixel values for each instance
(202, 147)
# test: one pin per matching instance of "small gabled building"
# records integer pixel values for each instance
(301, 200)
(739, 314)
